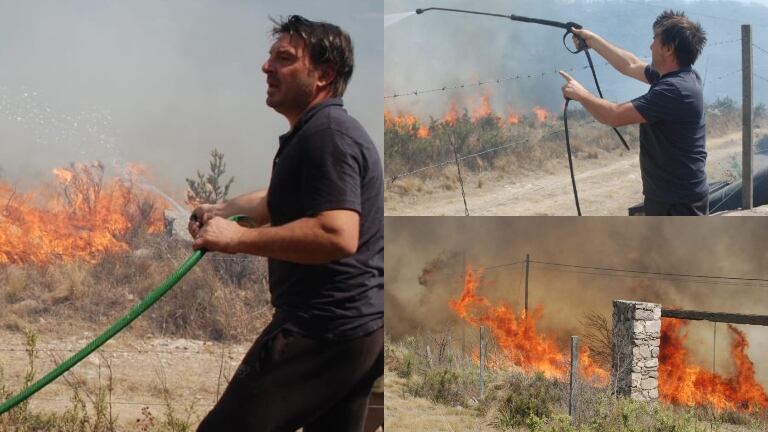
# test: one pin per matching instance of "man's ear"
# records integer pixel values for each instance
(326, 75)
(669, 49)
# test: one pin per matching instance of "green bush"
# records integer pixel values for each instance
(534, 398)
(439, 385)
(406, 366)
(609, 414)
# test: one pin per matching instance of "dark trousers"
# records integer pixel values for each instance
(660, 208)
(287, 381)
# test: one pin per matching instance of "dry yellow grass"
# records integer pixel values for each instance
(406, 413)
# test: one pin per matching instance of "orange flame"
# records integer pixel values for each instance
(484, 110)
(407, 122)
(399, 121)
(478, 109)
(517, 335)
(683, 383)
(452, 115)
(541, 113)
(84, 221)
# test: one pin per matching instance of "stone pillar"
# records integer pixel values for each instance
(635, 349)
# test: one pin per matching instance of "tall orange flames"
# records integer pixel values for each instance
(77, 217)
(684, 383)
(516, 334)
(680, 381)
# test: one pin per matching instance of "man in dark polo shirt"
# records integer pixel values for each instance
(671, 114)
(321, 226)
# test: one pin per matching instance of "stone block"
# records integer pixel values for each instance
(649, 383)
(653, 326)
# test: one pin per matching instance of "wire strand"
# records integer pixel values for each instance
(650, 272)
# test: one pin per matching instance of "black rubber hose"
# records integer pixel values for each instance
(600, 92)
(570, 159)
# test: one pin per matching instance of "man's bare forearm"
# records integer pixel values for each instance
(304, 241)
(328, 236)
(253, 204)
(602, 110)
(621, 59)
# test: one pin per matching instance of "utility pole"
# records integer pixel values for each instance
(746, 117)
(714, 346)
(527, 267)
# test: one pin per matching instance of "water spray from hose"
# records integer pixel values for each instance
(390, 19)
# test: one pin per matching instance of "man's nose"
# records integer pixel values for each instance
(266, 67)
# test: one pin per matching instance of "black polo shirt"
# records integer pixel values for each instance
(672, 141)
(328, 162)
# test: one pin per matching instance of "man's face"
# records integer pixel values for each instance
(291, 79)
(660, 55)
(655, 51)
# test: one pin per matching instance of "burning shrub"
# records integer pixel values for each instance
(522, 345)
(682, 382)
(80, 218)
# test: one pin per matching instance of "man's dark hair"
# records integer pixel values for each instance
(326, 43)
(686, 37)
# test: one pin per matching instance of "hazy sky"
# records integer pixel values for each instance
(448, 49)
(159, 82)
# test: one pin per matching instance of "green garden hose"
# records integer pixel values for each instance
(119, 325)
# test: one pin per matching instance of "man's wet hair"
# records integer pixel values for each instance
(326, 43)
(686, 37)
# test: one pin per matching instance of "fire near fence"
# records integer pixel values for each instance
(647, 358)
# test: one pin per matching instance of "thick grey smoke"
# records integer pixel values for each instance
(160, 83)
(439, 49)
(710, 246)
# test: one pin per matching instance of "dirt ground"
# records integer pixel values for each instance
(607, 186)
(194, 372)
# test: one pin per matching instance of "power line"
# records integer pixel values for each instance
(684, 275)
(644, 274)
(708, 282)
(485, 269)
